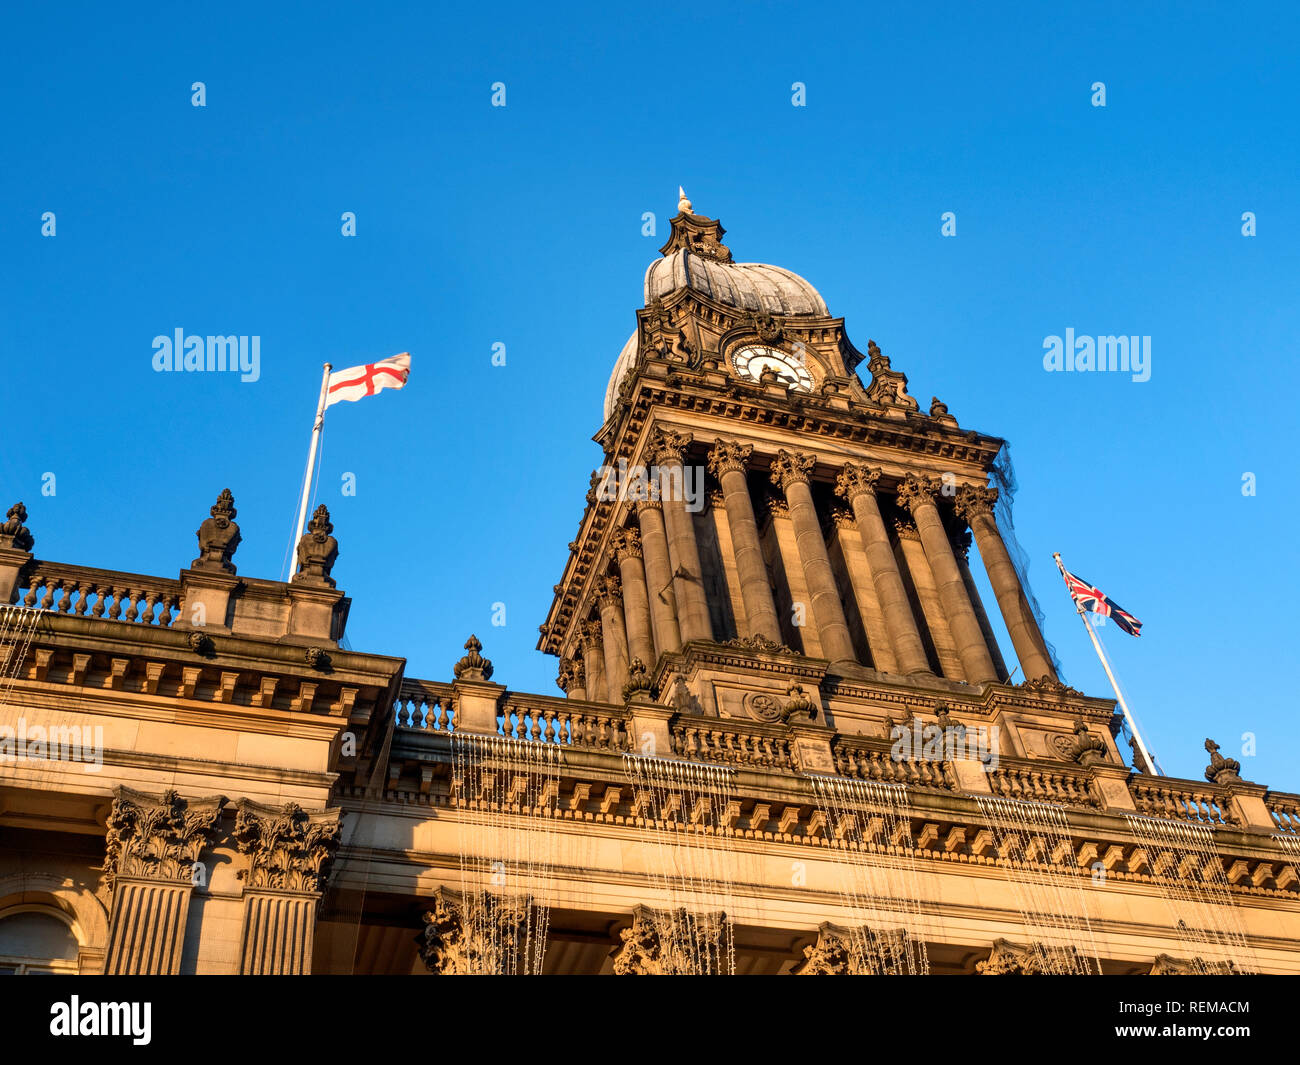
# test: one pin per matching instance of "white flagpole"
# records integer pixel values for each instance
(1105, 664)
(311, 458)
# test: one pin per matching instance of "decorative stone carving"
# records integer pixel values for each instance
(627, 542)
(760, 644)
(478, 935)
(472, 665)
(316, 658)
(1012, 959)
(1221, 770)
(917, 491)
(589, 630)
(1165, 965)
(609, 590)
(944, 719)
(762, 706)
(667, 446)
(157, 837)
(288, 849)
(1047, 686)
(13, 533)
(974, 499)
(888, 387)
(798, 705)
(855, 480)
(637, 688)
(200, 643)
(671, 943)
(790, 467)
(729, 455)
(855, 952)
(317, 551)
(906, 530)
(939, 412)
(1085, 748)
(565, 680)
(218, 536)
(698, 235)
(1140, 764)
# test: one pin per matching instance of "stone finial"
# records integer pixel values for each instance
(1221, 770)
(472, 666)
(637, 688)
(218, 536)
(683, 204)
(1085, 748)
(939, 412)
(944, 719)
(888, 386)
(13, 533)
(1139, 761)
(798, 705)
(317, 551)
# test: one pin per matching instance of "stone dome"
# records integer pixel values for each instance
(622, 364)
(755, 287)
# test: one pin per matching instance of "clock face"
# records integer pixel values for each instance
(751, 360)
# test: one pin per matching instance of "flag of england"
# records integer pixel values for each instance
(360, 381)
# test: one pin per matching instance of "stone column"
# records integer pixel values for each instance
(728, 462)
(289, 854)
(975, 504)
(593, 655)
(152, 846)
(917, 495)
(962, 550)
(857, 484)
(612, 625)
(658, 575)
(912, 555)
(667, 449)
(636, 596)
(791, 472)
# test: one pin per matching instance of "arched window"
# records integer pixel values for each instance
(36, 941)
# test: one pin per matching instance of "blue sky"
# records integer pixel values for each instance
(522, 225)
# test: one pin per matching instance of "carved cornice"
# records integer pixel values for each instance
(791, 467)
(157, 837)
(729, 455)
(288, 849)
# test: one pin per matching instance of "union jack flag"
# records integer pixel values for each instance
(1090, 597)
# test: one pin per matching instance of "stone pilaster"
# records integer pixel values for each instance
(289, 855)
(636, 596)
(792, 472)
(728, 462)
(975, 505)
(659, 576)
(857, 485)
(152, 845)
(917, 495)
(613, 626)
(667, 449)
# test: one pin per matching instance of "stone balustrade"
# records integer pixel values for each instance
(731, 743)
(566, 723)
(1039, 784)
(1180, 800)
(1285, 810)
(425, 706)
(862, 760)
(82, 591)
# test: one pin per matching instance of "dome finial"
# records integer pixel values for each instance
(683, 204)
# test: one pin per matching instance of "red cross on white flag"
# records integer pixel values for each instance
(359, 381)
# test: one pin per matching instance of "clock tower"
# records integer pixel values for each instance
(768, 532)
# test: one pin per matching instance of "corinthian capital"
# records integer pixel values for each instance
(973, 499)
(627, 542)
(667, 446)
(157, 837)
(591, 633)
(729, 455)
(791, 467)
(855, 481)
(288, 849)
(609, 590)
(917, 491)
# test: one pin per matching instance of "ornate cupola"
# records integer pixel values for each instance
(763, 518)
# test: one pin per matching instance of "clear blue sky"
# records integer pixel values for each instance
(522, 225)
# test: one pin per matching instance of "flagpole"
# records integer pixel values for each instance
(311, 456)
(1110, 675)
